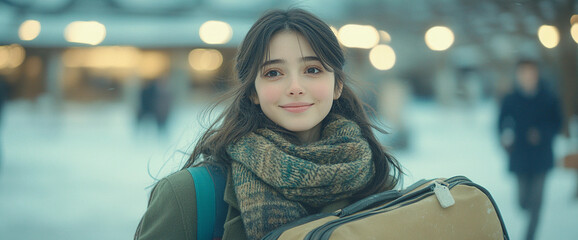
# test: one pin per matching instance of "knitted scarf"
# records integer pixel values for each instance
(277, 182)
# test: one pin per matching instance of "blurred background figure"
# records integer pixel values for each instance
(391, 105)
(155, 103)
(529, 119)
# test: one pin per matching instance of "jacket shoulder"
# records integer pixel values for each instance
(171, 211)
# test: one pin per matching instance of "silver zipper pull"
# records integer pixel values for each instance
(443, 195)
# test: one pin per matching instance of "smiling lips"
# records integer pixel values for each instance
(297, 107)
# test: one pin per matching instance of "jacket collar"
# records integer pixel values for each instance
(230, 197)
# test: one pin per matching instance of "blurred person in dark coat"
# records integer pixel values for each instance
(530, 117)
(155, 103)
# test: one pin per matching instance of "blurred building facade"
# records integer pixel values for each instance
(84, 50)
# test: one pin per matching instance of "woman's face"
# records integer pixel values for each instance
(294, 90)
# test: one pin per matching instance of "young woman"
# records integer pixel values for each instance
(294, 141)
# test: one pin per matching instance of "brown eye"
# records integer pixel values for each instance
(313, 70)
(272, 73)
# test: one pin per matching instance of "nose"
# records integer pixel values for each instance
(295, 91)
(295, 87)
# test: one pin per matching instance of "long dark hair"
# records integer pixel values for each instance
(242, 116)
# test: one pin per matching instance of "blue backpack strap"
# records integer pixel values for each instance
(211, 207)
(221, 207)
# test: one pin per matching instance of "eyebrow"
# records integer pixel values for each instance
(303, 59)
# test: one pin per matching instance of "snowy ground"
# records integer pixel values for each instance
(83, 173)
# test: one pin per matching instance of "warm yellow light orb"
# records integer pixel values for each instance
(382, 57)
(548, 36)
(205, 59)
(215, 32)
(574, 32)
(439, 38)
(385, 37)
(574, 19)
(29, 30)
(11, 56)
(87, 32)
(358, 36)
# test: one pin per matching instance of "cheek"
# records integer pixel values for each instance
(322, 91)
(268, 93)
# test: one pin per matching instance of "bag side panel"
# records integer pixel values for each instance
(472, 217)
(301, 231)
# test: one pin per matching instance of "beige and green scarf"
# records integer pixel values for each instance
(277, 182)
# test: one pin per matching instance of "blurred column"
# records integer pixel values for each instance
(179, 77)
(131, 90)
(360, 69)
(439, 39)
(395, 95)
(445, 85)
(444, 78)
(54, 70)
(568, 63)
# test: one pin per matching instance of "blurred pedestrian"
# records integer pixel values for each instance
(155, 103)
(529, 119)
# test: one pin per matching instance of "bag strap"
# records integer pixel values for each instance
(211, 208)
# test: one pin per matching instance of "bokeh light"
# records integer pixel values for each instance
(102, 57)
(153, 64)
(382, 57)
(11, 56)
(215, 32)
(439, 38)
(358, 36)
(548, 36)
(86, 32)
(574, 32)
(201, 59)
(385, 37)
(29, 30)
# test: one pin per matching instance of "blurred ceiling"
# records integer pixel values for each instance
(485, 30)
(143, 23)
(175, 22)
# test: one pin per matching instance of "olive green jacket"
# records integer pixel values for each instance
(172, 211)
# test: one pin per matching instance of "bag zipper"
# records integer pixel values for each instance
(324, 231)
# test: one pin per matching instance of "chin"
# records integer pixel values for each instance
(298, 129)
